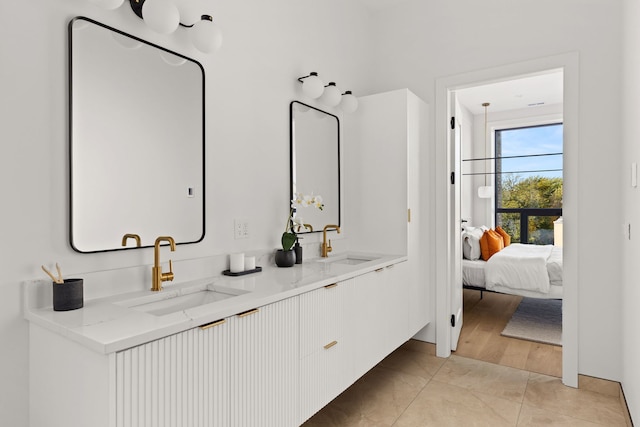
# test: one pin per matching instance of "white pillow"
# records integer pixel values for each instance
(471, 242)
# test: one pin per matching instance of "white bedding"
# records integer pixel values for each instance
(474, 272)
(520, 266)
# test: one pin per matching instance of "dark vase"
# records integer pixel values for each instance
(285, 258)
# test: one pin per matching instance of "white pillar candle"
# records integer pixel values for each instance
(236, 263)
(250, 263)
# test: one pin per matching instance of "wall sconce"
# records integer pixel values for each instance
(165, 16)
(349, 102)
(331, 95)
(314, 87)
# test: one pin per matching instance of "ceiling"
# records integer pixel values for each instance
(527, 92)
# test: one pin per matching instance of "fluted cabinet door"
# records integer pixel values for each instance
(326, 345)
(178, 381)
(264, 366)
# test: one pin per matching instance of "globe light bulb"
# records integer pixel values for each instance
(312, 86)
(331, 95)
(161, 16)
(188, 10)
(205, 35)
(349, 103)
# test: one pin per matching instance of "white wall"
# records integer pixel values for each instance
(249, 85)
(630, 207)
(447, 38)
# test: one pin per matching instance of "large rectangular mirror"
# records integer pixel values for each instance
(315, 162)
(136, 140)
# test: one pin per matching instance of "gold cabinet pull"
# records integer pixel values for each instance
(248, 312)
(409, 215)
(379, 270)
(333, 285)
(331, 344)
(391, 266)
(212, 324)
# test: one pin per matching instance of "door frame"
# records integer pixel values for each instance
(445, 274)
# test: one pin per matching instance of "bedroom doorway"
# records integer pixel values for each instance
(447, 288)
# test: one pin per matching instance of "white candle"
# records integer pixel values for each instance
(250, 263)
(236, 263)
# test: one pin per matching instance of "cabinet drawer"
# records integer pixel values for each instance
(323, 316)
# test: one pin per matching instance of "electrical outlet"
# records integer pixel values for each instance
(241, 228)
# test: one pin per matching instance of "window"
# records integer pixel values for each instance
(528, 181)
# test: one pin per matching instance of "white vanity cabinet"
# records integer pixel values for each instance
(327, 317)
(239, 371)
(381, 321)
(264, 366)
(179, 380)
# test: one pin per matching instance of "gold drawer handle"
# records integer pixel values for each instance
(212, 324)
(379, 270)
(248, 312)
(331, 344)
(391, 266)
(333, 285)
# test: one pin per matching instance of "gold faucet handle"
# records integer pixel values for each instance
(329, 248)
(168, 276)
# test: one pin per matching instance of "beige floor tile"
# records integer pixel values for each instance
(441, 404)
(532, 417)
(610, 388)
(376, 399)
(421, 364)
(549, 394)
(500, 381)
(419, 346)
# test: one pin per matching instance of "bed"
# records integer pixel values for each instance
(519, 269)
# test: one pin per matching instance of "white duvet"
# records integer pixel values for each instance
(520, 266)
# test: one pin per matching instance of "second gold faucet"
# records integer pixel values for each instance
(326, 247)
(157, 275)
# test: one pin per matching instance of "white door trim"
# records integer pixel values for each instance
(569, 63)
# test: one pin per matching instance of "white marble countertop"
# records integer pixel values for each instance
(111, 324)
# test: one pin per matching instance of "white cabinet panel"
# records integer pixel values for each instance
(326, 345)
(180, 380)
(264, 366)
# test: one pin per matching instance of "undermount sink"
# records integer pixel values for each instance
(168, 303)
(349, 259)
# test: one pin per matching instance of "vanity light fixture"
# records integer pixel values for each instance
(331, 95)
(165, 16)
(485, 191)
(349, 102)
(312, 86)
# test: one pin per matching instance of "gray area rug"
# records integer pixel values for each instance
(538, 320)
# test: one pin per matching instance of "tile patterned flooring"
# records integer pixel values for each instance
(412, 387)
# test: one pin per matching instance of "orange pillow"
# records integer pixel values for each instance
(490, 243)
(505, 236)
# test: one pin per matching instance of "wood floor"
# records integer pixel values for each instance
(480, 339)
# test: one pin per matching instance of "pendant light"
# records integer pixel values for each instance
(486, 191)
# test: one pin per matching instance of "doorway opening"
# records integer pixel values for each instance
(511, 179)
(450, 95)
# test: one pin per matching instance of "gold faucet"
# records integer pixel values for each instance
(132, 236)
(326, 248)
(157, 275)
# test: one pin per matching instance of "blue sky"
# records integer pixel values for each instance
(532, 140)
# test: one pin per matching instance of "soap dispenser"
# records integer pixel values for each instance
(298, 250)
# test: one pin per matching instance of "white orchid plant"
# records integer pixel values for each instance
(294, 221)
